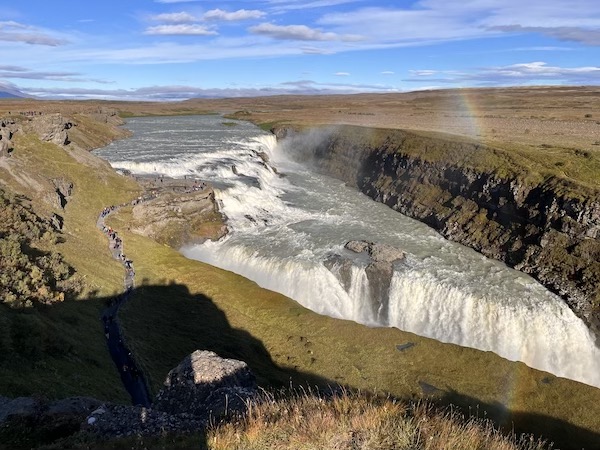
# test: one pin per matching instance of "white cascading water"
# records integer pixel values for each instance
(284, 228)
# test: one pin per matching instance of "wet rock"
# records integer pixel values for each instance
(206, 385)
(377, 252)
(379, 270)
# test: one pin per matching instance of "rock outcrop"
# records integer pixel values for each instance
(178, 218)
(115, 421)
(7, 129)
(51, 128)
(202, 388)
(48, 420)
(550, 230)
(380, 260)
(206, 385)
(64, 190)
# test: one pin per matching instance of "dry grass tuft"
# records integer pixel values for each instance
(355, 421)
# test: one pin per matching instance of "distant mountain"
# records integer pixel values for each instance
(9, 90)
(9, 95)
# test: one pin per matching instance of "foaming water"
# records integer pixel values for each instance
(283, 229)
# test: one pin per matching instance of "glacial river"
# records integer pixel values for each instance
(285, 221)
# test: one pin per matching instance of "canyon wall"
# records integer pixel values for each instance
(545, 226)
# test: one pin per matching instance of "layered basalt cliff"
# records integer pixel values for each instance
(545, 226)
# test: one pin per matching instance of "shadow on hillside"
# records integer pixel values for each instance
(564, 435)
(166, 323)
(163, 324)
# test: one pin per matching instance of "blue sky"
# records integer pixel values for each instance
(175, 49)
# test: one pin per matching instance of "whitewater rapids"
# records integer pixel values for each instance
(285, 221)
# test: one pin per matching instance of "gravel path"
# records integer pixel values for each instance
(131, 376)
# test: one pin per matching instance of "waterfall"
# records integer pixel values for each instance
(288, 226)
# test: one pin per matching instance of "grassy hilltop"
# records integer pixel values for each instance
(59, 350)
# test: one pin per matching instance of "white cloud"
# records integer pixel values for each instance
(181, 30)
(281, 6)
(387, 72)
(17, 32)
(342, 74)
(536, 72)
(298, 33)
(432, 21)
(175, 1)
(241, 14)
(179, 17)
(582, 35)
(423, 73)
(539, 70)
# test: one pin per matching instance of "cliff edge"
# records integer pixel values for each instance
(534, 218)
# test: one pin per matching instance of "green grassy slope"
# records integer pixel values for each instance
(186, 305)
(60, 350)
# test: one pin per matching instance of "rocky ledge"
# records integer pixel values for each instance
(183, 212)
(204, 388)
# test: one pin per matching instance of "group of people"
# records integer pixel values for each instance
(116, 246)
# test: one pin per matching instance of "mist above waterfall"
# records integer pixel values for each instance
(288, 226)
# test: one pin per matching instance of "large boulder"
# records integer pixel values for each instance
(179, 218)
(64, 190)
(206, 385)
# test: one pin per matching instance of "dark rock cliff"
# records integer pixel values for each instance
(548, 229)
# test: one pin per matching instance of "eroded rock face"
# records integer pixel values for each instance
(51, 128)
(206, 385)
(379, 271)
(64, 190)
(4, 148)
(179, 218)
(7, 129)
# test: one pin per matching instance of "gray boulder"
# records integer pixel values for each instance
(377, 252)
(206, 385)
